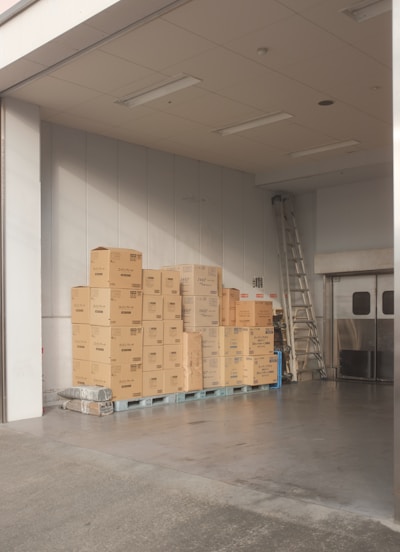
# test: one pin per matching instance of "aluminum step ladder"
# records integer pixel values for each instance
(304, 354)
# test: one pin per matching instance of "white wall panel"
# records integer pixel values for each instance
(271, 272)
(46, 218)
(161, 211)
(253, 228)
(102, 191)
(210, 178)
(354, 217)
(69, 221)
(132, 186)
(233, 228)
(187, 211)
(57, 357)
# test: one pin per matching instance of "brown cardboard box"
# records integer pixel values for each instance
(80, 305)
(173, 330)
(153, 383)
(172, 356)
(192, 360)
(200, 310)
(125, 380)
(260, 369)
(153, 332)
(172, 307)
(229, 298)
(151, 281)
(231, 341)
(233, 370)
(116, 268)
(170, 282)
(116, 344)
(219, 276)
(258, 340)
(173, 380)
(254, 313)
(213, 373)
(198, 279)
(153, 357)
(115, 307)
(81, 341)
(80, 372)
(152, 307)
(209, 336)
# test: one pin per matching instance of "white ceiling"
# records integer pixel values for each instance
(315, 53)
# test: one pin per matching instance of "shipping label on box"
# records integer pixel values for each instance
(153, 383)
(259, 340)
(151, 281)
(80, 305)
(152, 307)
(200, 310)
(170, 282)
(231, 341)
(228, 306)
(81, 341)
(172, 356)
(153, 357)
(172, 307)
(173, 380)
(116, 268)
(125, 380)
(198, 279)
(173, 330)
(233, 370)
(115, 307)
(209, 336)
(254, 313)
(116, 344)
(153, 332)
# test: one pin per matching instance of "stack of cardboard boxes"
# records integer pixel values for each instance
(107, 323)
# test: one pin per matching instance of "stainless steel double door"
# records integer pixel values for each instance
(363, 327)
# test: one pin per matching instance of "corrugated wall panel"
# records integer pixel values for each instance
(254, 212)
(187, 211)
(233, 228)
(132, 186)
(211, 225)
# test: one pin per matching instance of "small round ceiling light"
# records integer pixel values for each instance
(326, 102)
(262, 51)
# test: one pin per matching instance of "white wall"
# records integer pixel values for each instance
(22, 250)
(99, 191)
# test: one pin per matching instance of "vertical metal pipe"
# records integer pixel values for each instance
(3, 397)
(396, 218)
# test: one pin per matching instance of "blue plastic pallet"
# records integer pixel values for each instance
(143, 402)
(278, 384)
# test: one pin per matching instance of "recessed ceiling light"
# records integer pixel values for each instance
(174, 84)
(326, 102)
(254, 123)
(367, 9)
(321, 149)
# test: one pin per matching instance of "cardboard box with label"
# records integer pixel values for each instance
(151, 281)
(213, 373)
(153, 383)
(116, 344)
(152, 307)
(172, 356)
(232, 368)
(125, 380)
(209, 336)
(153, 357)
(228, 306)
(258, 340)
(81, 341)
(198, 279)
(153, 332)
(170, 282)
(80, 305)
(231, 341)
(173, 380)
(81, 372)
(115, 268)
(173, 330)
(200, 310)
(172, 307)
(254, 313)
(192, 360)
(115, 307)
(260, 369)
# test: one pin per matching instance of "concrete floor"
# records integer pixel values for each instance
(304, 468)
